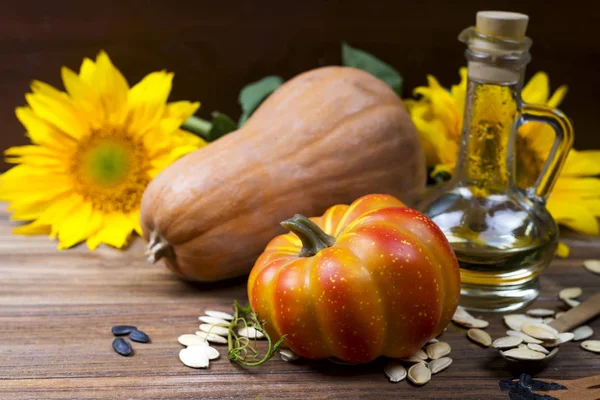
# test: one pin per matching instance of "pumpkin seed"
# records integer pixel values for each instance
(394, 371)
(480, 337)
(210, 352)
(516, 321)
(522, 346)
(420, 354)
(431, 341)
(571, 302)
(507, 342)
(211, 337)
(559, 314)
(591, 345)
(139, 336)
(440, 364)
(191, 340)
(438, 350)
(216, 329)
(287, 355)
(219, 314)
(562, 338)
(122, 347)
(547, 320)
(552, 354)
(524, 354)
(412, 360)
(193, 358)
(570, 293)
(250, 332)
(540, 331)
(537, 347)
(540, 312)
(419, 374)
(463, 318)
(583, 332)
(526, 338)
(120, 330)
(213, 320)
(592, 266)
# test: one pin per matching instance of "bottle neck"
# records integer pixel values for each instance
(492, 111)
(486, 158)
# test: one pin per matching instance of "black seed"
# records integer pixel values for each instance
(122, 347)
(139, 336)
(122, 329)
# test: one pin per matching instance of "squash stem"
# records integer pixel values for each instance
(313, 238)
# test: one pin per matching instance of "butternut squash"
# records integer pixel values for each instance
(326, 137)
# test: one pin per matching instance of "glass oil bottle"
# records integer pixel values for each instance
(502, 235)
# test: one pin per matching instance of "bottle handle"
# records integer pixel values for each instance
(560, 149)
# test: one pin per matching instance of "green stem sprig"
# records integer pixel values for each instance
(243, 350)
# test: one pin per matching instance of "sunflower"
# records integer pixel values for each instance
(575, 201)
(94, 149)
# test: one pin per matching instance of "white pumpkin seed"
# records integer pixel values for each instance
(591, 345)
(288, 356)
(463, 318)
(526, 338)
(540, 312)
(431, 341)
(539, 331)
(571, 302)
(547, 320)
(420, 354)
(412, 360)
(562, 338)
(592, 266)
(559, 314)
(440, 364)
(219, 314)
(524, 354)
(480, 337)
(583, 332)
(394, 371)
(193, 358)
(438, 350)
(211, 337)
(419, 374)
(191, 340)
(537, 347)
(552, 354)
(210, 352)
(522, 346)
(214, 321)
(570, 293)
(216, 329)
(507, 342)
(516, 321)
(251, 332)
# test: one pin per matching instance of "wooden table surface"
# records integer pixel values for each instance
(57, 308)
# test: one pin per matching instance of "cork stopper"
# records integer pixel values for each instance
(503, 24)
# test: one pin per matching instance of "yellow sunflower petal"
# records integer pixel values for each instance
(582, 163)
(181, 109)
(34, 228)
(562, 250)
(459, 92)
(537, 90)
(84, 96)
(573, 215)
(41, 132)
(111, 87)
(557, 97)
(115, 232)
(82, 222)
(147, 100)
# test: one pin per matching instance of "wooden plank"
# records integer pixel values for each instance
(56, 310)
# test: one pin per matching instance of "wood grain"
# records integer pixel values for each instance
(57, 308)
(216, 47)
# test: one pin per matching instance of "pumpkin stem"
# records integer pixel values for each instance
(157, 248)
(313, 238)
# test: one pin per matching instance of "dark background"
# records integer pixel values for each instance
(216, 47)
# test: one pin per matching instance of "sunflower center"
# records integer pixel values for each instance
(529, 165)
(111, 170)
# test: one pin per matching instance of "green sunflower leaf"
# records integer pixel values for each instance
(353, 57)
(221, 126)
(253, 94)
